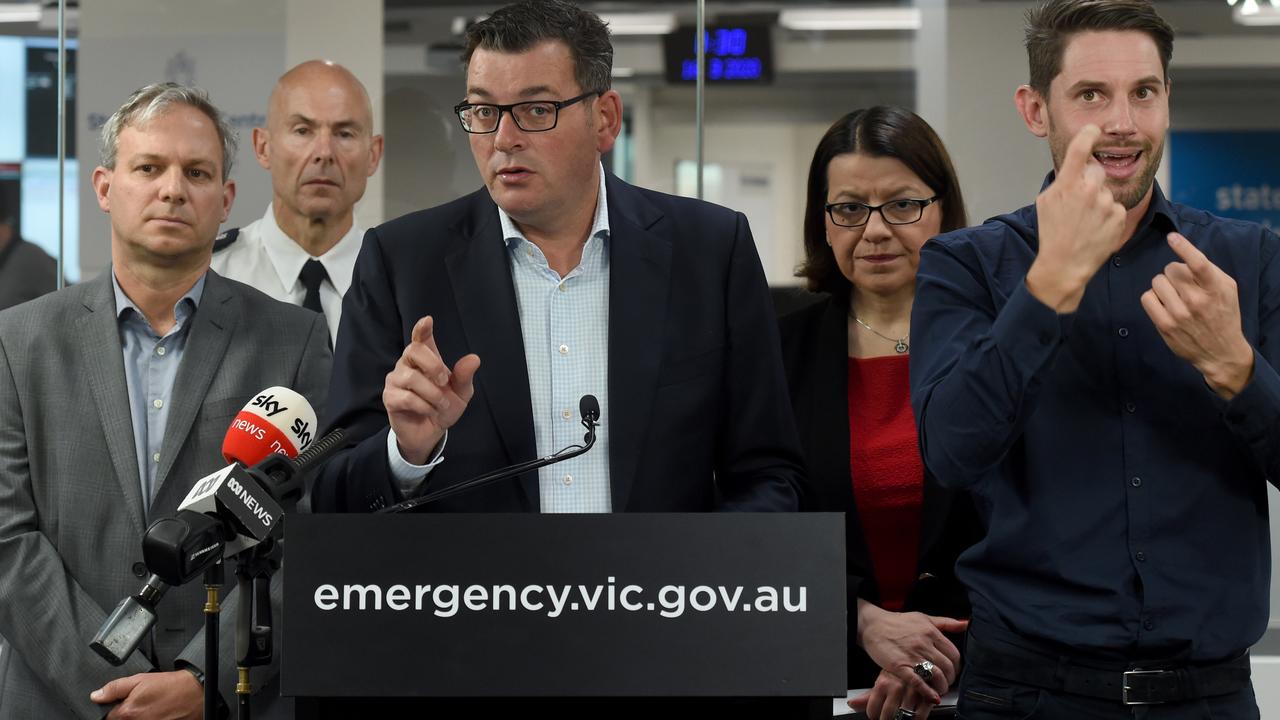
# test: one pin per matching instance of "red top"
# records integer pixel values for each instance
(888, 475)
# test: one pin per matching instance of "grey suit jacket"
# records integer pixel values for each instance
(71, 512)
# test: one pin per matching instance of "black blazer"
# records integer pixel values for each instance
(815, 353)
(700, 413)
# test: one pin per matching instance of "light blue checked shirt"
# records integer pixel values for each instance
(150, 368)
(565, 323)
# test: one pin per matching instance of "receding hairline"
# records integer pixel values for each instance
(300, 74)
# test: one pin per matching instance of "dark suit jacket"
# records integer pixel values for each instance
(26, 273)
(700, 414)
(815, 352)
(71, 510)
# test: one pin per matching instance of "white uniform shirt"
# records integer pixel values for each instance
(263, 257)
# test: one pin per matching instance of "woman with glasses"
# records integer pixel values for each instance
(880, 185)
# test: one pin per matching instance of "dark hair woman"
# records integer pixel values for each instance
(880, 185)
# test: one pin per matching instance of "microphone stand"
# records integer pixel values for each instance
(590, 420)
(213, 578)
(255, 566)
(254, 619)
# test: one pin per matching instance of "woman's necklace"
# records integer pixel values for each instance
(900, 345)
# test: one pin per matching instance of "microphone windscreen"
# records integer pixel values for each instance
(589, 407)
(276, 420)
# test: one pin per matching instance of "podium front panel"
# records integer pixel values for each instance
(527, 605)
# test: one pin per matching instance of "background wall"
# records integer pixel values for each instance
(234, 49)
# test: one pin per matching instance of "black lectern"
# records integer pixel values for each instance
(609, 614)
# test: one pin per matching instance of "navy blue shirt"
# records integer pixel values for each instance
(1126, 501)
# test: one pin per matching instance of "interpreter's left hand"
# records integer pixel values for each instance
(1195, 307)
(172, 695)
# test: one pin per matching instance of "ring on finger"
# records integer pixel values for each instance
(924, 669)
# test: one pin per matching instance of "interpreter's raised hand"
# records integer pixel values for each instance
(172, 695)
(1080, 226)
(1195, 306)
(898, 641)
(423, 397)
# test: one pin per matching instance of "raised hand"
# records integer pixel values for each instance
(423, 397)
(1195, 306)
(1080, 226)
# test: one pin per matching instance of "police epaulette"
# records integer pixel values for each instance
(223, 241)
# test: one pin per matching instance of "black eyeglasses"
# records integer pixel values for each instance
(895, 212)
(531, 116)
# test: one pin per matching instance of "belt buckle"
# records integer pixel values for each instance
(1126, 687)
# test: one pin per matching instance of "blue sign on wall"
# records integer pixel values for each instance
(1229, 173)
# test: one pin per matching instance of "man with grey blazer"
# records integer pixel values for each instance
(114, 398)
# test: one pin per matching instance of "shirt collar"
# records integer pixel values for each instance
(182, 309)
(512, 236)
(1159, 215)
(287, 257)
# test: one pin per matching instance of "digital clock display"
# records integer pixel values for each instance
(734, 54)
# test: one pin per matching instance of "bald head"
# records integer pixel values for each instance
(315, 77)
(320, 148)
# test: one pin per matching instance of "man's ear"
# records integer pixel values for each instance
(608, 111)
(228, 198)
(261, 148)
(102, 186)
(1034, 109)
(375, 154)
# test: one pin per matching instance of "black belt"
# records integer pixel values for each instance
(1136, 685)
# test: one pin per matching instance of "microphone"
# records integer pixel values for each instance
(125, 627)
(588, 408)
(225, 512)
(276, 424)
(276, 420)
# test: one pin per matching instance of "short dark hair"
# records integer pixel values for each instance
(519, 27)
(1051, 25)
(881, 131)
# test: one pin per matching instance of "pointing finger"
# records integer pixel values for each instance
(1079, 152)
(422, 330)
(1200, 266)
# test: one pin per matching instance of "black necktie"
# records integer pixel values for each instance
(312, 275)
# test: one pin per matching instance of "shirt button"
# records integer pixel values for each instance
(1149, 625)
(160, 351)
(157, 403)
(1045, 338)
(1142, 557)
(567, 414)
(1116, 261)
(1136, 481)
(568, 479)
(139, 569)
(1130, 407)
(561, 287)
(564, 349)
(155, 457)
(1123, 332)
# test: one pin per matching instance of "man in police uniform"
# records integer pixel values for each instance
(320, 149)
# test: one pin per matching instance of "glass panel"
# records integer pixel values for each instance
(28, 161)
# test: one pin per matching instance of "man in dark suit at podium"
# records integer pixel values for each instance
(565, 281)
